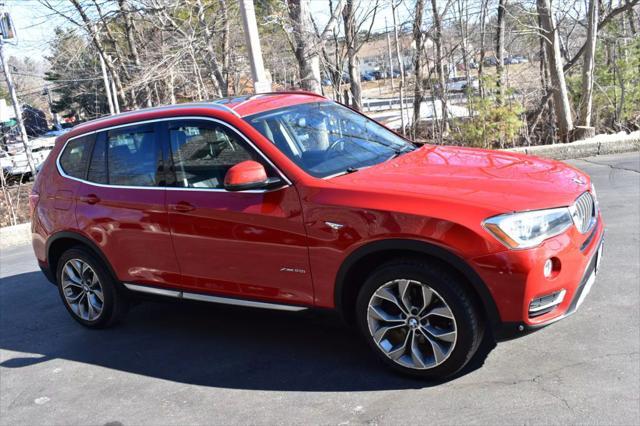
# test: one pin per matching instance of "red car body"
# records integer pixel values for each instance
(280, 246)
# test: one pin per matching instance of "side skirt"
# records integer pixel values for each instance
(212, 299)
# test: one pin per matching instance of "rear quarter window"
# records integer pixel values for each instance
(75, 157)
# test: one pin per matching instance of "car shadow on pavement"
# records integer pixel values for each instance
(202, 344)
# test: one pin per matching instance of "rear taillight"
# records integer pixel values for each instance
(33, 202)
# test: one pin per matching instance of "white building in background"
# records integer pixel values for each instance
(6, 112)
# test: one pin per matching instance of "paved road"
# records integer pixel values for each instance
(188, 364)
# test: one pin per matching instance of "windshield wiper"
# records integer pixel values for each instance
(399, 152)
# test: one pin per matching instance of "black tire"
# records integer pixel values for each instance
(115, 304)
(447, 284)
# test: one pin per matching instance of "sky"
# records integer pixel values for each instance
(35, 24)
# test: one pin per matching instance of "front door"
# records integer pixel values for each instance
(247, 244)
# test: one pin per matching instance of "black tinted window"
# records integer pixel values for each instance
(75, 156)
(202, 153)
(132, 158)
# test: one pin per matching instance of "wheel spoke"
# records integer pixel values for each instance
(416, 355)
(72, 274)
(439, 353)
(448, 336)
(403, 290)
(382, 331)
(401, 350)
(441, 311)
(90, 310)
(98, 294)
(74, 298)
(68, 283)
(427, 297)
(378, 313)
(385, 293)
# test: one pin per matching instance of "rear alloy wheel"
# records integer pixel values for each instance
(418, 318)
(87, 289)
(82, 289)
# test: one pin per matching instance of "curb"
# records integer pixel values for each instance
(16, 235)
(585, 148)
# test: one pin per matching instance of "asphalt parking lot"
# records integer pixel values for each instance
(180, 363)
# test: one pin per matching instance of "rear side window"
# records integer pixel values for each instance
(132, 158)
(75, 156)
(203, 152)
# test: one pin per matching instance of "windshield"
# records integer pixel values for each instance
(326, 139)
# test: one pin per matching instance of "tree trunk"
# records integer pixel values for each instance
(351, 40)
(588, 66)
(401, 67)
(483, 26)
(442, 80)
(549, 33)
(305, 52)
(418, 91)
(500, 51)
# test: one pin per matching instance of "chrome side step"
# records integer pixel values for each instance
(212, 299)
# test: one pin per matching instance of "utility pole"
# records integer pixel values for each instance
(386, 30)
(107, 88)
(54, 115)
(260, 82)
(14, 98)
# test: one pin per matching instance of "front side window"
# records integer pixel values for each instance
(132, 158)
(203, 152)
(73, 160)
(325, 138)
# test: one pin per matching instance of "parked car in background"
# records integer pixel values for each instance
(291, 201)
(366, 76)
(460, 84)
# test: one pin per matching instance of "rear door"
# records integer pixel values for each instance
(121, 205)
(249, 244)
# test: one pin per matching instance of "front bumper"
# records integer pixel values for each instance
(515, 278)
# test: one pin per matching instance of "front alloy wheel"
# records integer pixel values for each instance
(419, 317)
(412, 324)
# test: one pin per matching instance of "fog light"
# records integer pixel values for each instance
(548, 268)
(545, 304)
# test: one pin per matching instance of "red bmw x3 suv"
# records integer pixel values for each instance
(291, 201)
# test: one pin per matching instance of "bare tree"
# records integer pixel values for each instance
(500, 59)
(354, 42)
(584, 117)
(549, 34)
(304, 43)
(419, 42)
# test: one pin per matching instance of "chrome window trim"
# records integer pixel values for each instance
(286, 180)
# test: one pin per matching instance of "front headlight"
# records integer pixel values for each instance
(528, 229)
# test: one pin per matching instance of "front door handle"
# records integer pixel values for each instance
(183, 207)
(90, 199)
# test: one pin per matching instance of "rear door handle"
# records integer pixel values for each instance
(90, 199)
(183, 207)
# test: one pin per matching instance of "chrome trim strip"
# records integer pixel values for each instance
(241, 302)
(162, 188)
(213, 299)
(152, 290)
(556, 301)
